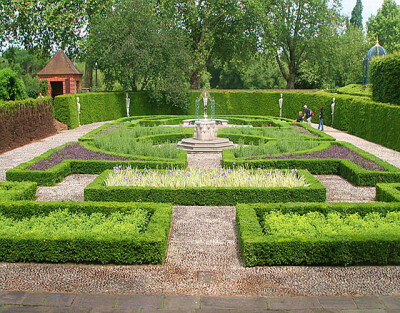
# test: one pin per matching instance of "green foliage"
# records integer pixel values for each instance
(84, 232)
(290, 29)
(275, 147)
(128, 141)
(356, 15)
(379, 121)
(11, 86)
(62, 223)
(368, 247)
(388, 192)
(97, 191)
(356, 90)
(44, 88)
(385, 26)
(17, 190)
(156, 60)
(333, 225)
(385, 78)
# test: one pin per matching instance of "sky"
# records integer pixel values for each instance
(370, 7)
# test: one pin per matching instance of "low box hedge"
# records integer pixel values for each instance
(17, 190)
(257, 250)
(388, 192)
(145, 248)
(97, 191)
(58, 172)
(343, 167)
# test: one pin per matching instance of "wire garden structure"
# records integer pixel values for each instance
(208, 104)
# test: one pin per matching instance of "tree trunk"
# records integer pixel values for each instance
(88, 76)
(195, 80)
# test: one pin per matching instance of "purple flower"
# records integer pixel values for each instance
(187, 175)
(73, 151)
(223, 174)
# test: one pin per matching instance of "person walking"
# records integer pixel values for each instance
(307, 113)
(321, 119)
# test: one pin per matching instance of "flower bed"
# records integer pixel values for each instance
(186, 191)
(73, 151)
(333, 152)
(84, 232)
(319, 233)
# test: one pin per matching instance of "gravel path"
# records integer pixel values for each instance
(340, 190)
(203, 237)
(70, 189)
(204, 160)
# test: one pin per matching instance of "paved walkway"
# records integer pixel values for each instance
(21, 302)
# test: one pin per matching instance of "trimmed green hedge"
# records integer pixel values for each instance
(60, 171)
(257, 249)
(388, 192)
(360, 116)
(146, 248)
(356, 90)
(17, 190)
(345, 168)
(97, 191)
(385, 78)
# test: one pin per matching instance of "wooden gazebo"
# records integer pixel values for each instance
(62, 75)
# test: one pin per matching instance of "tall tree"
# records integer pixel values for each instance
(385, 26)
(136, 47)
(290, 28)
(216, 28)
(356, 15)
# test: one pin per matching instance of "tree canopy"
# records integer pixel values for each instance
(356, 15)
(385, 26)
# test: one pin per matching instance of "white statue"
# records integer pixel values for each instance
(128, 103)
(78, 106)
(333, 108)
(280, 105)
(205, 95)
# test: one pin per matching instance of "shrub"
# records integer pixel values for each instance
(85, 244)
(388, 192)
(257, 248)
(356, 90)
(385, 78)
(11, 86)
(17, 190)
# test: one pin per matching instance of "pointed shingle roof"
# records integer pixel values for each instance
(60, 64)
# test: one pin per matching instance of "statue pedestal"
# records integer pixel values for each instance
(205, 139)
(205, 130)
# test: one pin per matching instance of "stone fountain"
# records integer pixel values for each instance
(205, 135)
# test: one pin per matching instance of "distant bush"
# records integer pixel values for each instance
(356, 90)
(385, 78)
(11, 86)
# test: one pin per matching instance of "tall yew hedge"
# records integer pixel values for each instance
(385, 78)
(374, 121)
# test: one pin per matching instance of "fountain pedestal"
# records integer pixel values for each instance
(205, 139)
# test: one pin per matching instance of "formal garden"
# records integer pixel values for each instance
(179, 151)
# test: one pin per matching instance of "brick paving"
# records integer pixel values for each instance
(19, 302)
